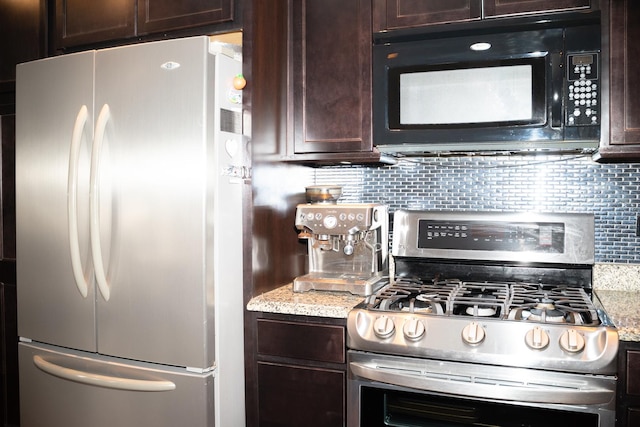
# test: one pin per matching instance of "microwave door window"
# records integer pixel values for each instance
(487, 95)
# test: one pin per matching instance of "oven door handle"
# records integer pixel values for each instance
(485, 387)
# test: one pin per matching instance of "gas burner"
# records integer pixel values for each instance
(480, 299)
(549, 304)
(411, 294)
(479, 311)
(545, 311)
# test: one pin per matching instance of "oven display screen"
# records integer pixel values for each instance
(546, 237)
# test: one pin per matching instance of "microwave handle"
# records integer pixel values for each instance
(557, 85)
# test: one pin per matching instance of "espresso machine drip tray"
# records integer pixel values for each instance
(347, 246)
(340, 282)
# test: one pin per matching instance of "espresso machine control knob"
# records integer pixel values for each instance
(330, 221)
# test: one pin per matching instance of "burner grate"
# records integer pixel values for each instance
(552, 304)
(500, 300)
(414, 295)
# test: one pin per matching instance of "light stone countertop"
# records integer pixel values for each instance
(618, 277)
(618, 288)
(622, 308)
(616, 285)
(312, 303)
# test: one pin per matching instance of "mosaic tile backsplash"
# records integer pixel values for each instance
(550, 183)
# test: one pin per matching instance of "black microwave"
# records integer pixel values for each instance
(502, 86)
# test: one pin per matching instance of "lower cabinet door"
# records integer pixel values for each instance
(300, 396)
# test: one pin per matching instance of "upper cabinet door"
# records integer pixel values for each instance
(395, 14)
(512, 7)
(90, 22)
(621, 138)
(624, 78)
(22, 26)
(164, 15)
(331, 76)
(82, 22)
(392, 14)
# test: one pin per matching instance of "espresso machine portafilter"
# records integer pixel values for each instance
(347, 246)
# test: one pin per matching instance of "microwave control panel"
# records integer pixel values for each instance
(583, 90)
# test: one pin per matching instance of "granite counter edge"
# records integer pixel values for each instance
(283, 300)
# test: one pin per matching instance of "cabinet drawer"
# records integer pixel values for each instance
(633, 373)
(308, 341)
(299, 396)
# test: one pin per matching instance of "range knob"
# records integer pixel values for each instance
(473, 333)
(571, 341)
(413, 329)
(383, 327)
(537, 338)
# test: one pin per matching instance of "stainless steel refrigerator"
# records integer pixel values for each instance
(130, 170)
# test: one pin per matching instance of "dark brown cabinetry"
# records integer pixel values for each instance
(516, 7)
(301, 371)
(331, 76)
(621, 27)
(9, 405)
(628, 405)
(395, 14)
(310, 76)
(164, 15)
(22, 38)
(80, 22)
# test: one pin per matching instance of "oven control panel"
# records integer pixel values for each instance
(532, 237)
(491, 236)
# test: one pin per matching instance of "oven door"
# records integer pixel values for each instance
(405, 392)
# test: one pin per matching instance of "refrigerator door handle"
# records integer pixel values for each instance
(94, 201)
(99, 380)
(72, 200)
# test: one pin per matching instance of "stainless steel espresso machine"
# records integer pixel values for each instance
(347, 243)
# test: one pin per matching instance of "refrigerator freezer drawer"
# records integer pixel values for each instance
(60, 387)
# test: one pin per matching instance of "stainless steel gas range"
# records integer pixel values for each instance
(489, 319)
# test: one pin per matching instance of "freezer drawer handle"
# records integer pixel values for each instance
(101, 380)
(94, 200)
(72, 200)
